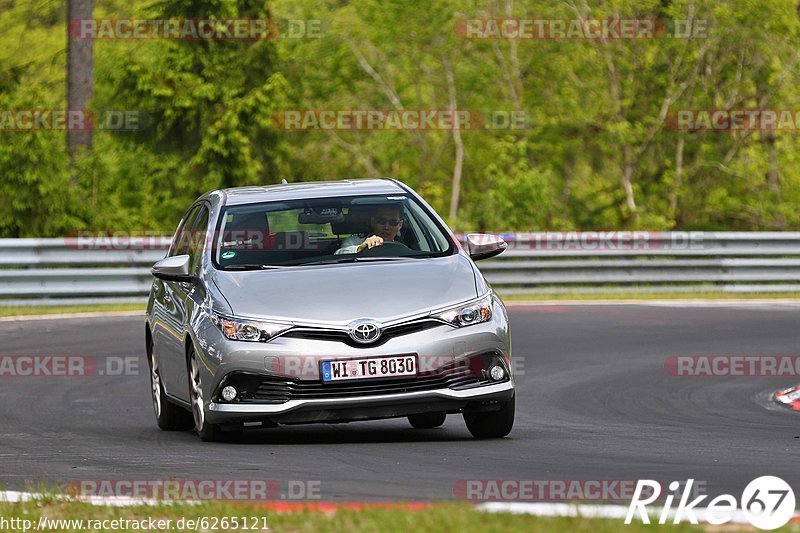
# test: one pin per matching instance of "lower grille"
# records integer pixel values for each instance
(255, 388)
(274, 389)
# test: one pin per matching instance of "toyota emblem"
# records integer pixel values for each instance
(364, 331)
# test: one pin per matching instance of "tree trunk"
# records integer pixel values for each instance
(772, 176)
(80, 75)
(676, 187)
(627, 181)
(459, 163)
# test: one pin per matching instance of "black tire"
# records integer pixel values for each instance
(427, 420)
(491, 424)
(213, 433)
(206, 431)
(169, 417)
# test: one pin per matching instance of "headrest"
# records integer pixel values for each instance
(248, 221)
(356, 221)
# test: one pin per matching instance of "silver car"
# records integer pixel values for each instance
(325, 302)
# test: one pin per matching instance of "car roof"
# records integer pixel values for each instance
(310, 189)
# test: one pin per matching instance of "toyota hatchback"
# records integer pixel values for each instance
(325, 302)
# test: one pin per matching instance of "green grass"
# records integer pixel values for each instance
(68, 309)
(445, 517)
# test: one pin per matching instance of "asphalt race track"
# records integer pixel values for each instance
(594, 402)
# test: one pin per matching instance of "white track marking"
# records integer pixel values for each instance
(619, 512)
(72, 315)
(13, 496)
(765, 303)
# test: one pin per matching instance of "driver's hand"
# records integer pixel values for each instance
(370, 242)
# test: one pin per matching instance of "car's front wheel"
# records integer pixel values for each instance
(491, 424)
(207, 431)
(169, 417)
(427, 420)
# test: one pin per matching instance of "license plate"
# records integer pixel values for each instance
(369, 367)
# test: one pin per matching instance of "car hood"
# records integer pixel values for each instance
(383, 291)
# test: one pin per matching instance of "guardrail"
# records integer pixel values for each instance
(68, 271)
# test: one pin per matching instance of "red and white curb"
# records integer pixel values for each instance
(789, 398)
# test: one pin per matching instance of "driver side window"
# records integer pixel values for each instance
(198, 233)
(183, 237)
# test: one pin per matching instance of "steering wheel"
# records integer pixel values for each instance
(396, 249)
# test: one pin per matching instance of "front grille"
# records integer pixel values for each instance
(275, 389)
(343, 336)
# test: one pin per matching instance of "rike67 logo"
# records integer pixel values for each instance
(767, 503)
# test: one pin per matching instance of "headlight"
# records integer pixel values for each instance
(248, 330)
(473, 312)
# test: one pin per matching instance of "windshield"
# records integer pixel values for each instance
(327, 230)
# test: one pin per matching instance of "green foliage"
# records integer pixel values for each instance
(594, 114)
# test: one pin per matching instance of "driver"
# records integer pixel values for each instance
(386, 222)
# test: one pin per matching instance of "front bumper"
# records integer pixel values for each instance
(292, 358)
(487, 397)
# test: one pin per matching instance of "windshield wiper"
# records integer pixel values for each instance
(328, 261)
(352, 260)
(251, 266)
(393, 258)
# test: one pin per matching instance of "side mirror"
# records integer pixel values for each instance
(173, 269)
(484, 245)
